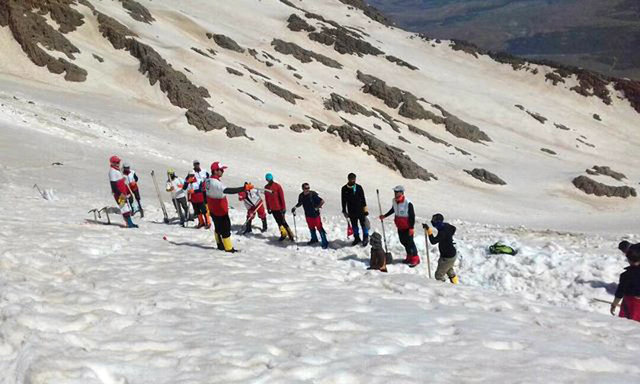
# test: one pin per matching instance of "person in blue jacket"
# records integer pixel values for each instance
(312, 203)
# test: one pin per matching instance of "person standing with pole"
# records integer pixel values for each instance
(178, 195)
(446, 246)
(404, 219)
(120, 191)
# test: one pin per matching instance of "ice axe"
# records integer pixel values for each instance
(387, 254)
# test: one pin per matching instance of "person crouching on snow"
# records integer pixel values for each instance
(628, 290)
(312, 203)
(255, 206)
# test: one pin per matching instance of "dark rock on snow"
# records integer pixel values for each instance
(592, 187)
(606, 171)
(283, 93)
(486, 176)
(303, 55)
(226, 42)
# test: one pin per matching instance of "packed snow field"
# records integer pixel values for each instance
(87, 303)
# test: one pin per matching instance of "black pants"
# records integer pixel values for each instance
(280, 219)
(199, 208)
(136, 194)
(363, 224)
(222, 224)
(407, 241)
(182, 208)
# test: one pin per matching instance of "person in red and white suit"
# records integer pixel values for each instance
(405, 219)
(218, 205)
(120, 190)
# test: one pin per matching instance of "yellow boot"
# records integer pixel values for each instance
(290, 233)
(283, 233)
(454, 279)
(228, 245)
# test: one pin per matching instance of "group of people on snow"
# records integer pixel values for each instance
(208, 197)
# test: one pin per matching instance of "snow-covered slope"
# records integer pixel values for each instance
(84, 303)
(500, 101)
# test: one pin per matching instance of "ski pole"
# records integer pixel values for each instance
(384, 235)
(295, 230)
(426, 243)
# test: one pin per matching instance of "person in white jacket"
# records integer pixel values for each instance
(175, 186)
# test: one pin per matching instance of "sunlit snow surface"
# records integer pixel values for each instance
(87, 303)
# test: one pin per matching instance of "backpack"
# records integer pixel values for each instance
(499, 248)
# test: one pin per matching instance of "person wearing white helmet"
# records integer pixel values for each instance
(196, 193)
(175, 186)
(132, 180)
(119, 190)
(405, 219)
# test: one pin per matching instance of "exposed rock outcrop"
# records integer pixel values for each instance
(299, 128)
(387, 155)
(606, 171)
(549, 151)
(401, 62)
(486, 176)
(31, 30)
(410, 107)
(226, 42)
(426, 134)
(339, 103)
(234, 71)
(303, 55)
(297, 24)
(369, 11)
(201, 52)
(344, 42)
(176, 85)
(388, 119)
(561, 126)
(137, 11)
(541, 119)
(283, 93)
(592, 187)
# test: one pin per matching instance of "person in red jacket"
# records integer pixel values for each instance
(405, 220)
(274, 197)
(218, 205)
(120, 190)
(195, 189)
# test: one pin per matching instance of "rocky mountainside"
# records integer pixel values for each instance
(332, 87)
(598, 35)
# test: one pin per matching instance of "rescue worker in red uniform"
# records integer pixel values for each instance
(218, 205)
(405, 219)
(274, 197)
(120, 190)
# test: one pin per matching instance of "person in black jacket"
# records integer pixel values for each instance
(628, 291)
(446, 246)
(354, 209)
(312, 203)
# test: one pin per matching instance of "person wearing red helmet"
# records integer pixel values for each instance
(218, 205)
(119, 190)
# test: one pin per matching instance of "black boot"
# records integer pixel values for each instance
(247, 228)
(264, 225)
(356, 240)
(365, 241)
